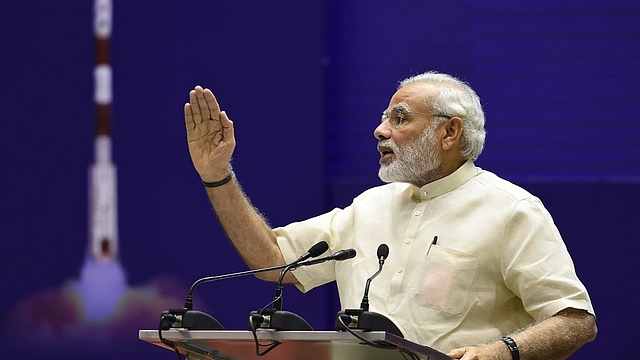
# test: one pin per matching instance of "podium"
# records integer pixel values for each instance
(294, 345)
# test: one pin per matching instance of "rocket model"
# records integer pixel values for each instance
(103, 224)
(102, 283)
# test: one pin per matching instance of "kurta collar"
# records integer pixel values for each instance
(447, 183)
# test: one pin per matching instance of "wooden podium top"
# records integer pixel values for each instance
(295, 345)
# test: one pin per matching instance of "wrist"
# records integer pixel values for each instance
(215, 174)
(512, 347)
(220, 182)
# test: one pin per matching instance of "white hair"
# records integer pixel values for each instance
(457, 98)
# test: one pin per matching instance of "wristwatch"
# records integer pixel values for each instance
(513, 347)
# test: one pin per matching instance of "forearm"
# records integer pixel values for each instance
(246, 228)
(554, 338)
(557, 337)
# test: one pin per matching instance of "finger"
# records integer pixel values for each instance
(212, 104)
(456, 353)
(195, 107)
(188, 117)
(202, 103)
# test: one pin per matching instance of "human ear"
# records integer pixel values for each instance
(452, 133)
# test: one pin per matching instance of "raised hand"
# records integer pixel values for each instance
(209, 135)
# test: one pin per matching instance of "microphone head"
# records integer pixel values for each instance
(318, 249)
(351, 253)
(383, 251)
(344, 255)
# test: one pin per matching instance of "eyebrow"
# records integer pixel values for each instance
(402, 107)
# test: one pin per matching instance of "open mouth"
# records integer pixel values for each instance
(385, 153)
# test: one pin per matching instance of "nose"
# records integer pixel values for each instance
(383, 131)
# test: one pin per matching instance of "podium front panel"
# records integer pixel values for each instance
(294, 345)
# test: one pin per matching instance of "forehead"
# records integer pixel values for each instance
(414, 97)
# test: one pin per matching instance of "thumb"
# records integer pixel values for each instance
(227, 126)
(225, 118)
(457, 353)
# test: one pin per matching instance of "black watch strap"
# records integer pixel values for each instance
(513, 347)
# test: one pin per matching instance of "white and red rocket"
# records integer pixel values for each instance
(103, 215)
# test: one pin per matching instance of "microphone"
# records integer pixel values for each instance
(314, 251)
(383, 252)
(197, 320)
(337, 256)
(362, 318)
(278, 319)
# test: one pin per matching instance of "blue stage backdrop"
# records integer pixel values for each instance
(305, 83)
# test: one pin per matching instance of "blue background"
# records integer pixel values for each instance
(305, 83)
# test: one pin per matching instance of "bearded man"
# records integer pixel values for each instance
(478, 268)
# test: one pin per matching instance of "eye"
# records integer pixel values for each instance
(396, 120)
(397, 117)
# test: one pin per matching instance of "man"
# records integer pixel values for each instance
(476, 266)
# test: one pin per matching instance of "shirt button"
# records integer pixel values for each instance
(400, 270)
(424, 193)
(407, 241)
(416, 213)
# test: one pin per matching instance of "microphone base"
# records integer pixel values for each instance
(359, 319)
(189, 319)
(278, 320)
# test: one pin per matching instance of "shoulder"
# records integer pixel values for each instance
(491, 183)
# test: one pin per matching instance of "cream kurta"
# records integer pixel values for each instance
(499, 262)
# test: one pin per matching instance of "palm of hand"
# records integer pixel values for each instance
(209, 134)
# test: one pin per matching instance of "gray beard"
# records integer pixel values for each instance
(417, 163)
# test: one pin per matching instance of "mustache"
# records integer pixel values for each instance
(388, 144)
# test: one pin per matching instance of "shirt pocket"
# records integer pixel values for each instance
(444, 282)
